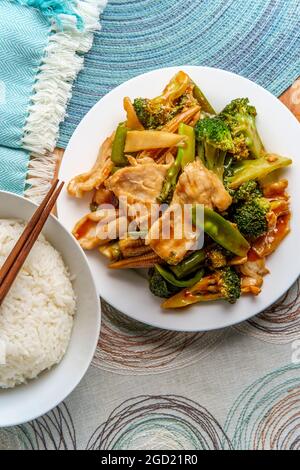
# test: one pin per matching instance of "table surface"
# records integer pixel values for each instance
(154, 389)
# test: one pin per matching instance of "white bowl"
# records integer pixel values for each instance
(127, 290)
(26, 402)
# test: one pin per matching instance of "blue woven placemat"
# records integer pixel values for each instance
(259, 39)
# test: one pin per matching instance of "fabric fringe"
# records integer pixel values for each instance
(53, 9)
(61, 63)
(41, 170)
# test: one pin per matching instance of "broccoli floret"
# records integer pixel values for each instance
(222, 284)
(249, 210)
(216, 257)
(240, 149)
(159, 286)
(247, 191)
(154, 113)
(214, 141)
(187, 100)
(229, 284)
(239, 115)
(251, 217)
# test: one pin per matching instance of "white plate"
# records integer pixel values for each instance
(127, 290)
(26, 402)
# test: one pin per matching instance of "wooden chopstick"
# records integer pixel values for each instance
(23, 238)
(22, 248)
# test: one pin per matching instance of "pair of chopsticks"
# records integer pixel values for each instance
(21, 250)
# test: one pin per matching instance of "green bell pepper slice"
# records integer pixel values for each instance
(202, 100)
(189, 265)
(169, 277)
(184, 156)
(117, 154)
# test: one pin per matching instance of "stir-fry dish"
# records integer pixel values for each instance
(172, 152)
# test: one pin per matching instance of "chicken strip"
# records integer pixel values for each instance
(138, 185)
(278, 188)
(140, 182)
(198, 185)
(97, 228)
(252, 273)
(173, 234)
(94, 178)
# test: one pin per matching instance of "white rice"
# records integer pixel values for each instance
(36, 317)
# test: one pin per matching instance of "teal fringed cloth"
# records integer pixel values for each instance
(23, 38)
(13, 169)
(53, 9)
(22, 42)
(42, 43)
